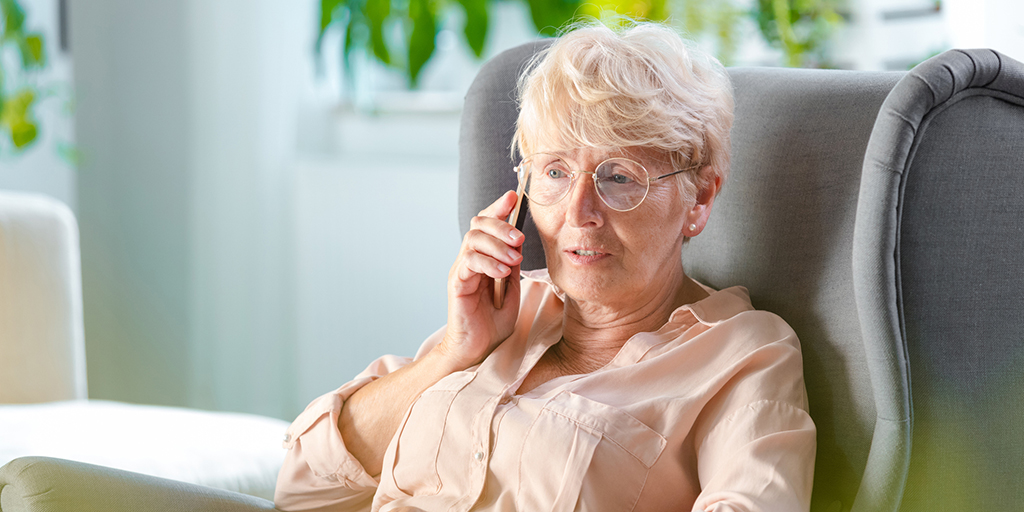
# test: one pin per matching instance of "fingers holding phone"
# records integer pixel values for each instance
(490, 250)
(515, 219)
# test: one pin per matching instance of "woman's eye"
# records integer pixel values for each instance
(555, 173)
(621, 179)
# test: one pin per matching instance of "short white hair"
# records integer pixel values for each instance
(638, 85)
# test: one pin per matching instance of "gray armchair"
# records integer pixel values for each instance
(938, 254)
(820, 246)
(784, 227)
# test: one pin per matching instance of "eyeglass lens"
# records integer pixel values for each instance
(621, 183)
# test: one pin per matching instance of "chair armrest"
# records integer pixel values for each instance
(43, 484)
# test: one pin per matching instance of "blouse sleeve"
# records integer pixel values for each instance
(319, 473)
(758, 446)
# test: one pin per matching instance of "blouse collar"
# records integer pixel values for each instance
(718, 306)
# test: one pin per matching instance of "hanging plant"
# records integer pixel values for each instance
(18, 96)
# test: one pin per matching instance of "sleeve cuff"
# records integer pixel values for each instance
(314, 439)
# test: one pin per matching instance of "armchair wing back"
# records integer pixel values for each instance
(939, 267)
(485, 140)
(42, 345)
(783, 227)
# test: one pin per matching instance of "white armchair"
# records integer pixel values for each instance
(44, 409)
(42, 347)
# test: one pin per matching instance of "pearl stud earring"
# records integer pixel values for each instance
(692, 227)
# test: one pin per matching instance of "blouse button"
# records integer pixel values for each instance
(478, 456)
(505, 400)
(287, 437)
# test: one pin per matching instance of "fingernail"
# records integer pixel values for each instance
(502, 268)
(513, 255)
(514, 235)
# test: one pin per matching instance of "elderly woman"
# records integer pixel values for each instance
(610, 380)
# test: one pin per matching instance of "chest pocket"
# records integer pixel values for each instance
(419, 437)
(579, 447)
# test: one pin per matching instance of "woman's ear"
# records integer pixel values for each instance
(697, 216)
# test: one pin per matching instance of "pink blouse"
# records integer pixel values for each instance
(709, 413)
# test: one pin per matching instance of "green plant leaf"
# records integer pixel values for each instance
(376, 12)
(14, 18)
(551, 15)
(657, 10)
(346, 45)
(23, 134)
(635, 9)
(476, 24)
(801, 28)
(327, 9)
(33, 51)
(16, 114)
(422, 38)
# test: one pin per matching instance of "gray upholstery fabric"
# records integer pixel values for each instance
(939, 251)
(485, 139)
(782, 227)
(41, 484)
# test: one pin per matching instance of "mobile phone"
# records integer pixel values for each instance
(516, 219)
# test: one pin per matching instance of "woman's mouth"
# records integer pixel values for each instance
(584, 256)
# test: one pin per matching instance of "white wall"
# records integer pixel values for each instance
(186, 125)
(229, 262)
(134, 198)
(375, 239)
(997, 24)
(246, 64)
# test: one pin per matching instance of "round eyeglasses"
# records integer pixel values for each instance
(621, 183)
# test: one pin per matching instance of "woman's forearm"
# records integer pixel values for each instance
(370, 417)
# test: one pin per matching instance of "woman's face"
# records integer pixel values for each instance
(596, 254)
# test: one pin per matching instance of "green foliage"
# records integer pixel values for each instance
(367, 24)
(801, 28)
(550, 15)
(17, 118)
(422, 36)
(17, 95)
(715, 21)
(376, 12)
(476, 24)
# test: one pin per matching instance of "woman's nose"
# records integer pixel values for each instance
(584, 205)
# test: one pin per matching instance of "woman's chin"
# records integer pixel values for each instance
(582, 286)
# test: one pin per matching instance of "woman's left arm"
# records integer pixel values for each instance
(758, 442)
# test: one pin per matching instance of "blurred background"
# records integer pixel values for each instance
(266, 189)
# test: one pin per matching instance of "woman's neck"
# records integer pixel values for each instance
(592, 336)
(594, 332)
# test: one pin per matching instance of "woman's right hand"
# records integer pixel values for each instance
(489, 250)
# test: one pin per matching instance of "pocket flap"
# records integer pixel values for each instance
(615, 425)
